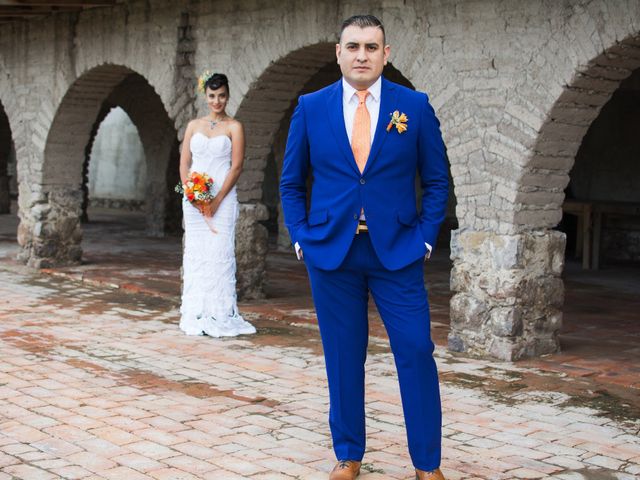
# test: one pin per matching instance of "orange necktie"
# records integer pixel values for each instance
(361, 133)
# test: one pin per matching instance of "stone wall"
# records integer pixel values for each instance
(509, 293)
(621, 239)
(515, 85)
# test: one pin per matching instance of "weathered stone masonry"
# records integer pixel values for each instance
(515, 85)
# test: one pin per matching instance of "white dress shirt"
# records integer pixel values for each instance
(349, 106)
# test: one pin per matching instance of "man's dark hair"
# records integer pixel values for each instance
(363, 21)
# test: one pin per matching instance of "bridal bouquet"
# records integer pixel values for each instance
(197, 189)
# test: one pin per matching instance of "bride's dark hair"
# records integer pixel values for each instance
(216, 81)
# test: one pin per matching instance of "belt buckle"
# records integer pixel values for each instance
(362, 227)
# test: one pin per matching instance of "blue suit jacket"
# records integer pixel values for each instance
(318, 146)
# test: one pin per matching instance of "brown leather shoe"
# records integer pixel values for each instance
(430, 475)
(345, 470)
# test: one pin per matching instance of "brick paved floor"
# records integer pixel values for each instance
(99, 383)
(600, 337)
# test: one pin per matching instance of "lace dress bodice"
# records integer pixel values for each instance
(211, 155)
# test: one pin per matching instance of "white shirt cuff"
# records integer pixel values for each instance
(429, 248)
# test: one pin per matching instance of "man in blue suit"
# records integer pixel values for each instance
(362, 140)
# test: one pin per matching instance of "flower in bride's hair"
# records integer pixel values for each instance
(202, 80)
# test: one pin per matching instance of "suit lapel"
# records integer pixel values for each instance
(336, 120)
(388, 96)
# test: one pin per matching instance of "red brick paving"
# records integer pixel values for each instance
(97, 382)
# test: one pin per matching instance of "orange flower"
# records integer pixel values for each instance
(197, 189)
(399, 120)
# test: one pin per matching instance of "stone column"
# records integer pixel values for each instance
(49, 232)
(251, 250)
(508, 293)
(156, 200)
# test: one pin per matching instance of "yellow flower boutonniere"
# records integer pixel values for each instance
(399, 120)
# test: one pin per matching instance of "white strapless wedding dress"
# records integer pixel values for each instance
(209, 260)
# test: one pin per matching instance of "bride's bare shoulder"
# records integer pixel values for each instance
(235, 125)
(193, 124)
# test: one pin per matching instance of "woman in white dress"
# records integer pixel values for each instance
(214, 145)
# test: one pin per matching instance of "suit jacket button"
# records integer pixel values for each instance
(362, 181)
(355, 216)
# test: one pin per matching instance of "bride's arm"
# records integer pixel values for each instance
(185, 154)
(237, 160)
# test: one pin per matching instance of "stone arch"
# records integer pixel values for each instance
(57, 233)
(547, 170)
(265, 105)
(265, 112)
(509, 289)
(159, 139)
(604, 183)
(302, 43)
(262, 112)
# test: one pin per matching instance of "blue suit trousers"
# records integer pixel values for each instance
(341, 299)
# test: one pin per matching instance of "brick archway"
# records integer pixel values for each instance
(509, 290)
(57, 235)
(159, 140)
(539, 201)
(263, 110)
(267, 103)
